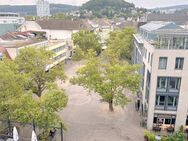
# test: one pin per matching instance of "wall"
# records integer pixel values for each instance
(60, 34)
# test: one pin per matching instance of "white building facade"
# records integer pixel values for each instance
(162, 50)
(10, 22)
(43, 8)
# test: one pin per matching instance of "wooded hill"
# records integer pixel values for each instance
(108, 8)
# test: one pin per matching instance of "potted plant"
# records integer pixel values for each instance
(151, 137)
(146, 134)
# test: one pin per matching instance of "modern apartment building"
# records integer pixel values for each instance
(162, 50)
(43, 8)
(10, 22)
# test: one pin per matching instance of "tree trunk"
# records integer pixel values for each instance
(111, 108)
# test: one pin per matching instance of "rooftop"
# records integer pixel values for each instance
(19, 39)
(178, 18)
(182, 32)
(56, 24)
(100, 22)
(154, 25)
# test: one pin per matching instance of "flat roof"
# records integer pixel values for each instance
(19, 43)
(22, 43)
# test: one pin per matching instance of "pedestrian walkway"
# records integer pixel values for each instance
(88, 119)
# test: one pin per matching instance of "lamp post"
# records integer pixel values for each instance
(61, 131)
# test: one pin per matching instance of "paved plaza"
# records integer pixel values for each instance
(88, 119)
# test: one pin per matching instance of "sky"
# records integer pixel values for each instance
(138, 3)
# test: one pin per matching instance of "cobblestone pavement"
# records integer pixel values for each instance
(88, 119)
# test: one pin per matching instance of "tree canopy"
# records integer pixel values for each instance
(21, 83)
(109, 80)
(120, 43)
(108, 8)
(34, 63)
(86, 40)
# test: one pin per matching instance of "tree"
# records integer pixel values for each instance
(33, 62)
(19, 82)
(78, 54)
(120, 42)
(109, 80)
(86, 40)
(59, 16)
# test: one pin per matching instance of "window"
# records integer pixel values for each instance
(148, 57)
(172, 101)
(145, 54)
(160, 100)
(162, 62)
(187, 121)
(179, 63)
(151, 60)
(174, 84)
(162, 83)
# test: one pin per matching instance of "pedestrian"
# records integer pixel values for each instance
(138, 103)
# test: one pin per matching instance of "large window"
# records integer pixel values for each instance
(160, 100)
(174, 84)
(172, 101)
(167, 93)
(164, 119)
(162, 83)
(162, 62)
(179, 63)
(168, 84)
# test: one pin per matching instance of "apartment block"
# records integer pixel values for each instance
(161, 48)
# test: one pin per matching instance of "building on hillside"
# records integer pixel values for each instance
(43, 8)
(10, 22)
(162, 50)
(13, 42)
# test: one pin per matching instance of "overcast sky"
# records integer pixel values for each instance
(138, 3)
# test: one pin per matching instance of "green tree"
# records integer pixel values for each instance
(33, 62)
(21, 104)
(86, 40)
(78, 54)
(59, 16)
(109, 80)
(120, 42)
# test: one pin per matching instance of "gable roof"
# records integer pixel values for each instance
(55, 24)
(178, 18)
(155, 25)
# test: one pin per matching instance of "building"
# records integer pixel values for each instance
(56, 29)
(10, 22)
(14, 42)
(162, 50)
(43, 8)
(102, 27)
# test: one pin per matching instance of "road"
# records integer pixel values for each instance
(88, 119)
